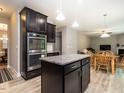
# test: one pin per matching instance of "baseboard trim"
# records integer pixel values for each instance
(14, 71)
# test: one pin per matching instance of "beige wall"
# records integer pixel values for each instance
(73, 40)
(120, 39)
(83, 41)
(69, 40)
(15, 42)
(97, 41)
(113, 41)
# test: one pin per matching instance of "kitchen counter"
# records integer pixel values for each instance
(64, 59)
(65, 73)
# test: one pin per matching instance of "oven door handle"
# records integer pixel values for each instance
(37, 38)
(35, 53)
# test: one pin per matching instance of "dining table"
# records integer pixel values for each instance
(112, 62)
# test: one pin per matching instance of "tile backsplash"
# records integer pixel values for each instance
(50, 46)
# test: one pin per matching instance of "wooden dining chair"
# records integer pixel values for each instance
(92, 60)
(103, 62)
(107, 52)
(100, 52)
(122, 63)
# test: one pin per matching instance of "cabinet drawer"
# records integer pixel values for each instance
(71, 67)
(85, 61)
(53, 54)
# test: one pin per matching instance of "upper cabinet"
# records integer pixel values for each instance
(42, 23)
(31, 20)
(51, 29)
(35, 22)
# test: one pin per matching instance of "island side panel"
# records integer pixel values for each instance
(52, 78)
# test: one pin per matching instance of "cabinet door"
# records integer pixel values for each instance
(42, 23)
(85, 76)
(51, 33)
(73, 82)
(31, 21)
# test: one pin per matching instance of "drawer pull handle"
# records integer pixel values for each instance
(74, 66)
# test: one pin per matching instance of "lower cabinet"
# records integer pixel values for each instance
(53, 54)
(71, 78)
(85, 76)
(73, 82)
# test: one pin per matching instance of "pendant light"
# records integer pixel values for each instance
(75, 24)
(60, 15)
(105, 34)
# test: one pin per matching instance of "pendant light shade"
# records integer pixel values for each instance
(60, 16)
(75, 24)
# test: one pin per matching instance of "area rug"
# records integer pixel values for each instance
(5, 75)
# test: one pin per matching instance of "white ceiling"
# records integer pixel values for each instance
(89, 13)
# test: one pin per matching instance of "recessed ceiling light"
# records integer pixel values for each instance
(1, 9)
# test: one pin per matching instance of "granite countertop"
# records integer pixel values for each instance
(65, 59)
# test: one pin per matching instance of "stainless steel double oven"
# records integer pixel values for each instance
(36, 48)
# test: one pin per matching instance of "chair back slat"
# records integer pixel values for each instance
(122, 60)
(103, 59)
(107, 52)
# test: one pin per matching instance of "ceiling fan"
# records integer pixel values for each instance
(105, 34)
(98, 32)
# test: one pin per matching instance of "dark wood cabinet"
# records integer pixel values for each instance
(71, 67)
(85, 76)
(35, 21)
(70, 78)
(53, 54)
(52, 78)
(30, 21)
(51, 33)
(72, 82)
(42, 23)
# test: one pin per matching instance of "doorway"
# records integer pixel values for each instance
(3, 45)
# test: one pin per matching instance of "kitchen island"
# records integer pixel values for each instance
(65, 73)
